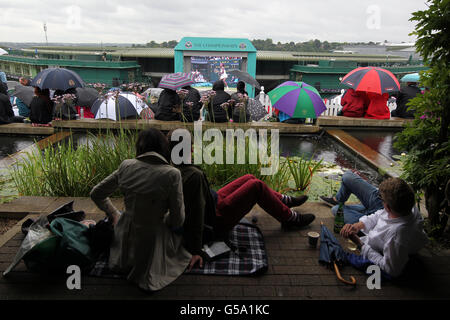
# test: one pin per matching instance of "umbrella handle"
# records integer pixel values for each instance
(338, 274)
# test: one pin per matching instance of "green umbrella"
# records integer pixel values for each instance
(297, 99)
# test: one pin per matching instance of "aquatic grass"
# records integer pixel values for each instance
(72, 171)
(302, 171)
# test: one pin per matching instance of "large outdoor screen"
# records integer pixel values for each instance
(208, 69)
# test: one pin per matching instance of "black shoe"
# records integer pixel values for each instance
(302, 221)
(329, 201)
(294, 201)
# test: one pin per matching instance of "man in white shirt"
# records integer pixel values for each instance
(393, 233)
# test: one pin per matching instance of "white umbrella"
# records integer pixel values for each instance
(2, 51)
(125, 106)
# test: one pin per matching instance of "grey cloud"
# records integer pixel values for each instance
(141, 21)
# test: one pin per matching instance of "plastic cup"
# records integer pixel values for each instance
(313, 238)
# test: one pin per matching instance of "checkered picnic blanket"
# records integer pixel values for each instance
(248, 256)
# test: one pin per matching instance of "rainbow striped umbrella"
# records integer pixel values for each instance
(297, 99)
(175, 81)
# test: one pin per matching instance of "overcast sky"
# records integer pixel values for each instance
(120, 21)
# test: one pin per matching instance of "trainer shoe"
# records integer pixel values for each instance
(302, 220)
(329, 201)
(294, 201)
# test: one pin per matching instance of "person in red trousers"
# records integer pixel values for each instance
(211, 215)
(377, 108)
(353, 103)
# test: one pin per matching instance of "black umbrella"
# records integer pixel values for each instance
(86, 96)
(246, 77)
(118, 106)
(256, 109)
(332, 254)
(57, 79)
(24, 93)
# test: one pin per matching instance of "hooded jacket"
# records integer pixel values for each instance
(167, 103)
(405, 95)
(377, 108)
(354, 104)
(215, 112)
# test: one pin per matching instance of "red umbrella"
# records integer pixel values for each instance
(371, 79)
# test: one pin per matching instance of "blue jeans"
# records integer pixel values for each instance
(367, 194)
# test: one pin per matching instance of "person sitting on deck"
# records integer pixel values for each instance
(41, 107)
(367, 194)
(169, 106)
(403, 98)
(147, 244)
(211, 215)
(191, 112)
(6, 111)
(215, 112)
(354, 104)
(392, 233)
(377, 107)
(285, 118)
(240, 111)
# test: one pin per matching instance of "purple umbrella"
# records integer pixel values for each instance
(175, 81)
(297, 99)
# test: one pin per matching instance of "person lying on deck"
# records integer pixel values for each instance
(392, 233)
(211, 215)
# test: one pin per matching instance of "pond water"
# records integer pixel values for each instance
(12, 144)
(379, 140)
(323, 147)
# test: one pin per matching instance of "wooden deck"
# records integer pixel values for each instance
(294, 271)
(284, 128)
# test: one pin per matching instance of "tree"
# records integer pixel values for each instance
(426, 139)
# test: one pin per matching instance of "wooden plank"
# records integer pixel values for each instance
(340, 121)
(25, 128)
(92, 124)
(375, 159)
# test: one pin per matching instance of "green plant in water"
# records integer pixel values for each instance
(66, 170)
(302, 171)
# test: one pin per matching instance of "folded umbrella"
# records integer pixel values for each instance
(297, 99)
(57, 79)
(175, 81)
(245, 76)
(332, 254)
(24, 93)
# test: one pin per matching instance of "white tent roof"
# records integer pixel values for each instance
(3, 51)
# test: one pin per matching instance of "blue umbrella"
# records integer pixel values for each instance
(331, 253)
(412, 77)
(57, 79)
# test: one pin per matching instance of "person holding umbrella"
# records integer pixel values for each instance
(169, 104)
(354, 104)
(392, 233)
(377, 107)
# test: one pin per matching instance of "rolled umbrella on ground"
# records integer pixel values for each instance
(297, 99)
(118, 106)
(332, 254)
(176, 81)
(246, 77)
(372, 79)
(57, 79)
